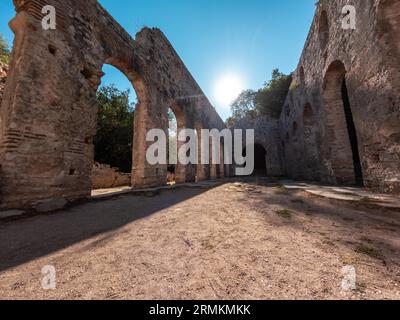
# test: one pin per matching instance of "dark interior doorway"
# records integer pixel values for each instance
(352, 135)
(260, 162)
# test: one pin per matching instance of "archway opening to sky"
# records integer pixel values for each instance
(113, 143)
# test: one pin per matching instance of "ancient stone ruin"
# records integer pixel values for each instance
(48, 110)
(341, 119)
(340, 123)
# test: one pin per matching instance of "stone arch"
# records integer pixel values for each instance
(310, 129)
(111, 170)
(260, 159)
(180, 170)
(141, 116)
(323, 29)
(341, 154)
(48, 125)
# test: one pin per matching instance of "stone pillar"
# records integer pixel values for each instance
(149, 114)
(48, 117)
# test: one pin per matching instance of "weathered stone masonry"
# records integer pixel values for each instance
(322, 141)
(340, 123)
(48, 110)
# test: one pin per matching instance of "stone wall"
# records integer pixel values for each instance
(104, 177)
(48, 113)
(315, 129)
(266, 135)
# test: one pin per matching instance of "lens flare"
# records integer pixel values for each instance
(228, 89)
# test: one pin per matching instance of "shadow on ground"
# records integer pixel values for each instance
(28, 239)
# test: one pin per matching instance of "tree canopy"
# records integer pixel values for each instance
(4, 50)
(267, 101)
(114, 138)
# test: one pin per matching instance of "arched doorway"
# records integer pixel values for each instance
(341, 152)
(177, 123)
(260, 160)
(113, 142)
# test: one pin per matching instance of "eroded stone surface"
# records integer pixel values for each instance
(267, 135)
(48, 109)
(48, 112)
(314, 134)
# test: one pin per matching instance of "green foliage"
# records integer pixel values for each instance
(267, 101)
(270, 99)
(230, 122)
(172, 138)
(4, 50)
(173, 125)
(114, 138)
(244, 105)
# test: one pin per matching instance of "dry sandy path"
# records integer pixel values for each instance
(229, 242)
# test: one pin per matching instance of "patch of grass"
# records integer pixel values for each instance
(285, 213)
(361, 288)
(328, 242)
(367, 200)
(371, 252)
(208, 244)
(365, 239)
(349, 261)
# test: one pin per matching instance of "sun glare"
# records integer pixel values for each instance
(228, 89)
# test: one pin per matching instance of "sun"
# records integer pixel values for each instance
(227, 89)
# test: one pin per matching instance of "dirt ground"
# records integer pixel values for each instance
(235, 241)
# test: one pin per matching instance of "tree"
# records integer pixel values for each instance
(269, 100)
(4, 50)
(243, 107)
(114, 138)
(172, 138)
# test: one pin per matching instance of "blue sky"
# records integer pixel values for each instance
(247, 38)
